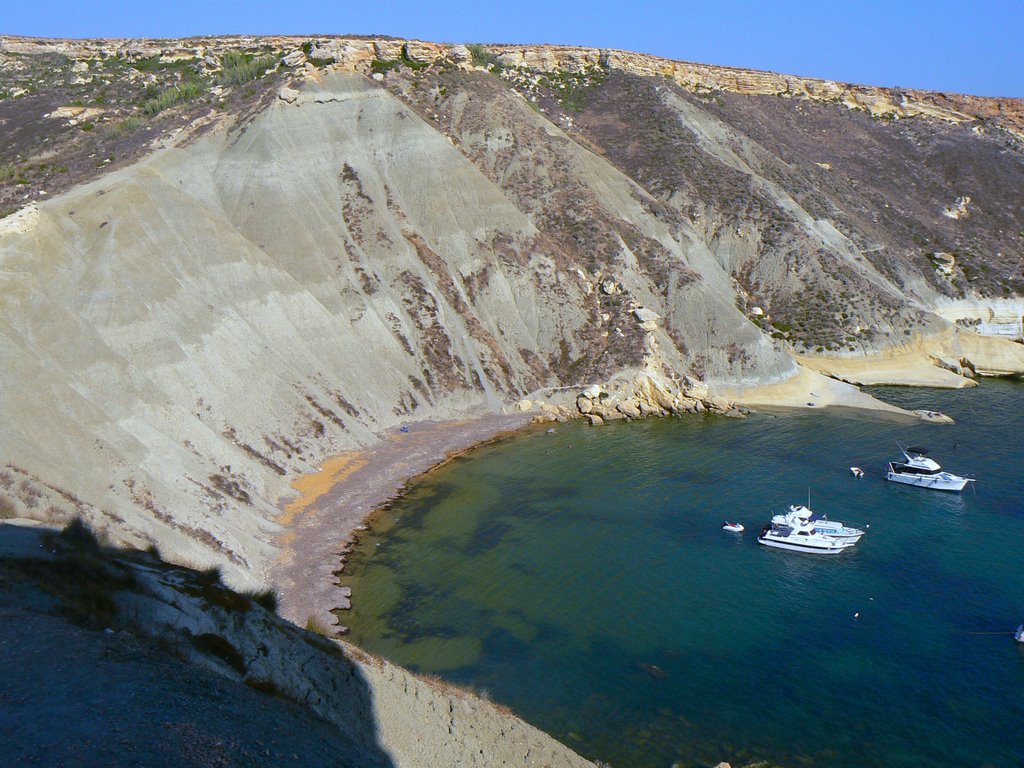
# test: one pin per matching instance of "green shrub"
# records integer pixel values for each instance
(412, 63)
(151, 64)
(384, 65)
(482, 57)
(171, 97)
(240, 67)
(8, 173)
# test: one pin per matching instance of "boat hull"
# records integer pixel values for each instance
(808, 548)
(943, 482)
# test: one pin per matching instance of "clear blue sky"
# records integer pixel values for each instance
(944, 45)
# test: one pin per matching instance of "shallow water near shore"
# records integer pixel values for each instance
(583, 579)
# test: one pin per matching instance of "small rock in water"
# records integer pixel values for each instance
(653, 670)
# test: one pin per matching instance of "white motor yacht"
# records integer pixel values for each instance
(789, 532)
(920, 470)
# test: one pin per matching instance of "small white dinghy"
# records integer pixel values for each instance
(1019, 634)
(735, 527)
(856, 471)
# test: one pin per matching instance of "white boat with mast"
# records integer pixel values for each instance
(801, 538)
(922, 471)
(801, 530)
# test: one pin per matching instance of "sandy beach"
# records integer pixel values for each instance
(321, 521)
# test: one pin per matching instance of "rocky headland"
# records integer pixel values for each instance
(225, 260)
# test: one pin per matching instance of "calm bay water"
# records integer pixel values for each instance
(582, 578)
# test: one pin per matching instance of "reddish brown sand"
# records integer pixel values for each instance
(334, 501)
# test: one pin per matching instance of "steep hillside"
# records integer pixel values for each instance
(224, 259)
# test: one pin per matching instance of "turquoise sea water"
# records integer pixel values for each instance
(582, 578)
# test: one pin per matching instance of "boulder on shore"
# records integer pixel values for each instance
(629, 409)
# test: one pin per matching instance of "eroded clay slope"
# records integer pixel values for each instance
(184, 335)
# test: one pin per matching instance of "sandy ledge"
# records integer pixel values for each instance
(333, 502)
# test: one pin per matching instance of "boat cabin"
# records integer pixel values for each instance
(916, 466)
(917, 463)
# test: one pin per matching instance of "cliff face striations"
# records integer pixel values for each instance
(223, 259)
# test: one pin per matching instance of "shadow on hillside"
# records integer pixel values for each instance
(86, 683)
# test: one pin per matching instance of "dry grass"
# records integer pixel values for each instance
(122, 127)
(8, 509)
(317, 627)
